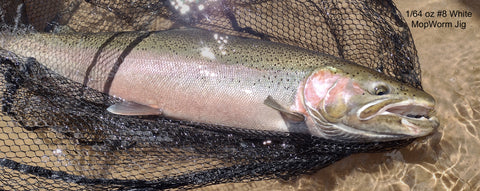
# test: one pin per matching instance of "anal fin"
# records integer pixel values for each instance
(133, 108)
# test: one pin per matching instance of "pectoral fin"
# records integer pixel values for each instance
(286, 113)
(133, 108)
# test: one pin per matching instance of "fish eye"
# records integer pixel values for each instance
(381, 89)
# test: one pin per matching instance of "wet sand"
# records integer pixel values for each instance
(447, 160)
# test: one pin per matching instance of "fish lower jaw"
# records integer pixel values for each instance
(345, 133)
(415, 129)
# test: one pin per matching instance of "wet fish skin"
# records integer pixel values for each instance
(196, 75)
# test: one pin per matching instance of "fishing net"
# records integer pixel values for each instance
(55, 134)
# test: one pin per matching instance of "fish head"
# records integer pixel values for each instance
(357, 104)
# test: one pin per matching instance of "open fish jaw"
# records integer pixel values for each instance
(417, 117)
(405, 109)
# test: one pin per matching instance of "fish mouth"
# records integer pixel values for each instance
(417, 117)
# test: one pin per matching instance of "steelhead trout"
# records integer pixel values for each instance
(200, 76)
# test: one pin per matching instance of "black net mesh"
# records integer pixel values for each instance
(57, 134)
